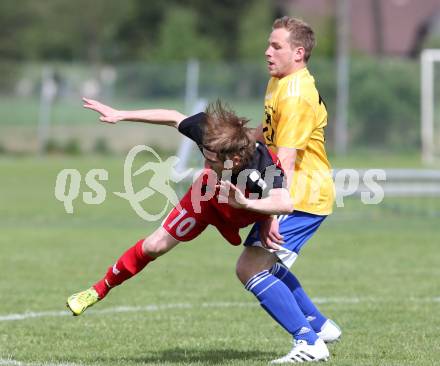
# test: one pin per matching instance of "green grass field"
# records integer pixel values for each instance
(373, 271)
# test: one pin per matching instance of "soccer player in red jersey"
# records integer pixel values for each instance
(230, 150)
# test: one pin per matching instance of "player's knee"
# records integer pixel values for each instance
(251, 262)
(157, 244)
(244, 270)
(154, 248)
(240, 274)
(151, 248)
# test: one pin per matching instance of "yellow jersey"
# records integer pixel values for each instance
(295, 117)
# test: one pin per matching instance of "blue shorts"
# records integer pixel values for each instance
(295, 228)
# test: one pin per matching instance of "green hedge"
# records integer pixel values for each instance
(384, 94)
(384, 101)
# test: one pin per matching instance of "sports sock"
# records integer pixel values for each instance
(309, 309)
(276, 298)
(130, 263)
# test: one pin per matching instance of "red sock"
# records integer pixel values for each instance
(130, 263)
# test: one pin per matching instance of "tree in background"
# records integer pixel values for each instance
(138, 35)
(15, 21)
(179, 39)
(132, 30)
(219, 20)
(62, 29)
(254, 28)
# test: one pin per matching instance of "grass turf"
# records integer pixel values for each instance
(373, 271)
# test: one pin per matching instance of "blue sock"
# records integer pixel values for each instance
(276, 298)
(309, 309)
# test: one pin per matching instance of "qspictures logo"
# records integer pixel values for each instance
(163, 173)
(68, 183)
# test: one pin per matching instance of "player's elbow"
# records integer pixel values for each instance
(177, 118)
(287, 207)
(285, 203)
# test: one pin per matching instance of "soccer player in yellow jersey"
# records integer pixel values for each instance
(293, 127)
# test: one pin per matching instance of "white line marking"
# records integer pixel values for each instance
(123, 309)
(9, 362)
(12, 362)
(153, 307)
(340, 300)
(31, 314)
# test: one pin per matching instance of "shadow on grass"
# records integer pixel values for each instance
(185, 355)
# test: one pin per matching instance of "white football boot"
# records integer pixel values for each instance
(304, 352)
(330, 332)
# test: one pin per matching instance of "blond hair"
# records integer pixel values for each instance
(301, 34)
(227, 135)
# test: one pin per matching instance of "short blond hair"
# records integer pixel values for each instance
(301, 34)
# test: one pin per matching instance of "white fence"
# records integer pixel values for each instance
(397, 182)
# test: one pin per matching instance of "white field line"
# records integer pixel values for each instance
(12, 362)
(164, 307)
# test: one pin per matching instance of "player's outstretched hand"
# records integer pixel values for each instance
(108, 114)
(270, 235)
(232, 195)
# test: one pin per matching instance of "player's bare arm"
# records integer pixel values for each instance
(277, 202)
(287, 157)
(108, 114)
(269, 230)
